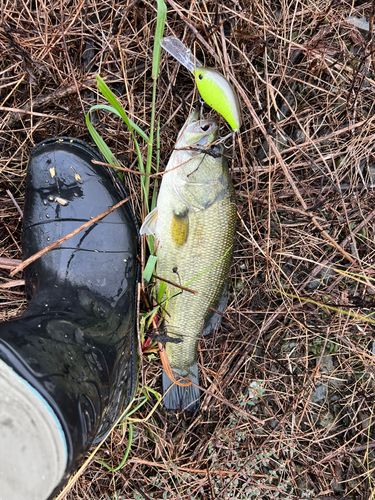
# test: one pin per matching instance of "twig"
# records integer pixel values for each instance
(129, 170)
(43, 115)
(12, 284)
(186, 469)
(175, 284)
(9, 263)
(15, 203)
(58, 242)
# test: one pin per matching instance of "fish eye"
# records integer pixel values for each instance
(200, 76)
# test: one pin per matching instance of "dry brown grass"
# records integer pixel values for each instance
(303, 167)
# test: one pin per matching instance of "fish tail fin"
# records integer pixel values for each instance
(178, 397)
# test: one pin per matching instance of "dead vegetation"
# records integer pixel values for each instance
(288, 401)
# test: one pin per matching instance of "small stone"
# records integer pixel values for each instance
(320, 394)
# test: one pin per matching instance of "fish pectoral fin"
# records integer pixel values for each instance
(149, 224)
(180, 227)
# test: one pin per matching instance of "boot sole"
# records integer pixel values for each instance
(33, 453)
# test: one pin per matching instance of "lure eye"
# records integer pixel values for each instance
(200, 76)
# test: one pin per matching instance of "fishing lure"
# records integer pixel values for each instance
(213, 87)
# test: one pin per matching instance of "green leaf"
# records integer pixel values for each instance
(161, 291)
(118, 111)
(112, 99)
(162, 14)
(149, 269)
(151, 243)
(104, 149)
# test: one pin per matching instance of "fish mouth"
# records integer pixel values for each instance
(204, 132)
(200, 132)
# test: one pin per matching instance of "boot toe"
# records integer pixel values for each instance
(33, 451)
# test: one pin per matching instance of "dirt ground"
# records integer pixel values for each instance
(287, 410)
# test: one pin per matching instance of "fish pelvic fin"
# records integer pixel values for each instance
(181, 398)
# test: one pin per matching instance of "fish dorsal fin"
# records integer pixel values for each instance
(149, 224)
(180, 226)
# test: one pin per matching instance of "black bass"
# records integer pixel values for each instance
(194, 225)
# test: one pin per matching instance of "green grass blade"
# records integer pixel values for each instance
(112, 99)
(161, 291)
(106, 152)
(161, 16)
(151, 313)
(104, 149)
(127, 451)
(116, 112)
(155, 190)
(160, 23)
(335, 309)
(120, 115)
(142, 400)
(151, 243)
(149, 269)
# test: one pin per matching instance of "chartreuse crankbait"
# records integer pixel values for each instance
(213, 87)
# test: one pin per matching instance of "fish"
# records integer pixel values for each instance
(213, 87)
(194, 225)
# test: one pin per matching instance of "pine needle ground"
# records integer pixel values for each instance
(288, 405)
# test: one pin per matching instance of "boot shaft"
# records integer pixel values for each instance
(75, 345)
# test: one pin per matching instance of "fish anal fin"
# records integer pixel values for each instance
(213, 320)
(149, 224)
(180, 227)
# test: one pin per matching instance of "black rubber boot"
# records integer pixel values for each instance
(68, 365)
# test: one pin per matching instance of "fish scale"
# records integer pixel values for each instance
(194, 226)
